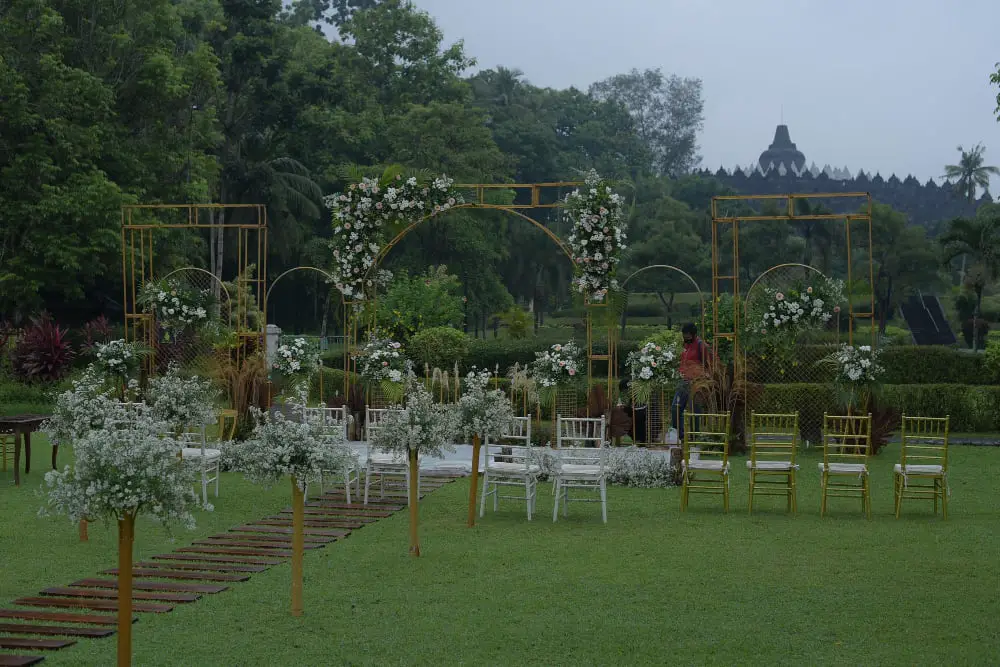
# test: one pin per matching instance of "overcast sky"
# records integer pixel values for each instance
(884, 85)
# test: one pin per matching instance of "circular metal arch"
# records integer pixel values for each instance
(670, 267)
(212, 276)
(790, 265)
(267, 294)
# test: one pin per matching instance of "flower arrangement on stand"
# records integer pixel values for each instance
(420, 427)
(653, 366)
(119, 474)
(181, 402)
(483, 413)
(119, 361)
(382, 362)
(176, 306)
(597, 239)
(857, 374)
(294, 363)
(364, 214)
(556, 373)
(300, 450)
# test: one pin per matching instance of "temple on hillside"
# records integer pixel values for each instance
(781, 169)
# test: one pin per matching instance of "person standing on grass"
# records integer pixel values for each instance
(694, 365)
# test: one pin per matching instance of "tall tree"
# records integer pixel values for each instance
(995, 80)
(971, 174)
(978, 239)
(668, 113)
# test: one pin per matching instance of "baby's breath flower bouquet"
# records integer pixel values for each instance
(182, 402)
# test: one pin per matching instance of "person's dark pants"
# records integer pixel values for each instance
(682, 401)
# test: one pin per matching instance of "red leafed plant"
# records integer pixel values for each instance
(96, 331)
(42, 353)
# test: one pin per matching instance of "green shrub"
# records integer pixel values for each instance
(517, 321)
(438, 347)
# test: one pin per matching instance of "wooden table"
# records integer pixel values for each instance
(24, 426)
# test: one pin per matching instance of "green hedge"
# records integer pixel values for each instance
(971, 408)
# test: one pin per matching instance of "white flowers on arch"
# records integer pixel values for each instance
(364, 212)
(558, 365)
(598, 236)
(801, 308)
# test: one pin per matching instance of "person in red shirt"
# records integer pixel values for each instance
(694, 364)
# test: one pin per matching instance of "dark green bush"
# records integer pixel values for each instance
(438, 347)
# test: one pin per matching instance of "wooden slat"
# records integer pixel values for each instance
(206, 558)
(43, 644)
(313, 523)
(269, 545)
(208, 589)
(61, 617)
(333, 510)
(102, 605)
(19, 660)
(193, 576)
(54, 630)
(272, 530)
(234, 551)
(110, 595)
(206, 567)
(281, 541)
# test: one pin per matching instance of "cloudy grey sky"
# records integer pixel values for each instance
(885, 85)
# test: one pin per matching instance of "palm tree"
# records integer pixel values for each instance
(970, 174)
(977, 239)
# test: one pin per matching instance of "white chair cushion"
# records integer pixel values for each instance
(195, 453)
(846, 468)
(381, 458)
(771, 465)
(912, 469)
(579, 470)
(710, 465)
(506, 467)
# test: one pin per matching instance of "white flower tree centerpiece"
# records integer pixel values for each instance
(597, 216)
(483, 413)
(382, 363)
(181, 402)
(121, 470)
(420, 427)
(280, 447)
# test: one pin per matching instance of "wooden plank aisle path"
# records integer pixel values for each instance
(60, 615)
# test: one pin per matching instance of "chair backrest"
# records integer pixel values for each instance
(581, 440)
(847, 438)
(515, 447)
(373, 418)
(773, 437)
(925, 441)
(125, 415)
(332, 420)
(707, 435)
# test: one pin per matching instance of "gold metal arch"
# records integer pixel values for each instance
(789, 265)
(670, 267)
(267, 293)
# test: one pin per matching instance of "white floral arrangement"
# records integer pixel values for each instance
(798, 309)
(174, 305)
(558, 365)
(181, 402)
(654, 363)
(857, 365)
(89, 405)
(363, 213)
(124, 471)
(641, 468)
(421, 426)
(382, 360)
(597, 239)
(279, 446)
(118, 360)
(483, 411)
(296, 359)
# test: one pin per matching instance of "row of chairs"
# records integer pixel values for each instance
(844, 471)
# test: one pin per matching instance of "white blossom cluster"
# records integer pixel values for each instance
(653, 363)
(858, 365)
(88, 406)
(483, 411)
(128, 469)
(800, 309)
(181, 402)
(382, 359)
(118, 360)
(598, 238)
(363, 213)
(175, 306)
(422, 425)
(280, 446)
(640, 468)
(557, 365)
(295, 359)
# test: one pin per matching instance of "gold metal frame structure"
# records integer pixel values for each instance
(479, 200)
(719, 279)
(138, 264)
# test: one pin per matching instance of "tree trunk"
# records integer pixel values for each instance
(474, 482)
(414, 500)
(84, 536)
(883, 316)
(126, 536)
(298, 514)
(975, 319)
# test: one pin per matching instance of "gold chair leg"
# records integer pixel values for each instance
(868, 497)
(725, 493)
(684, 491)
(822, 505)
(944, 498)
(794, 493)
(897, 492)
(750, 497)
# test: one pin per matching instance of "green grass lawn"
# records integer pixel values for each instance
(651, 586)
